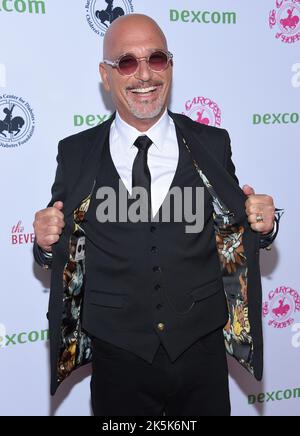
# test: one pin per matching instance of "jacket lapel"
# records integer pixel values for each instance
(86, 178)
(225, 186)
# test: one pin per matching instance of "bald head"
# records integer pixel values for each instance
(128, 29)
(140, 98)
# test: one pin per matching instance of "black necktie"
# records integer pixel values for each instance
(140, 171)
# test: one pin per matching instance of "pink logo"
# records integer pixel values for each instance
(19, 237)
(204, 111)
(286, 19)
(283, 303)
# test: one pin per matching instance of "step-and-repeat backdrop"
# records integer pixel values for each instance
(237, 66)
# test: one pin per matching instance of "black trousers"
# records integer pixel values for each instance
(196, 384)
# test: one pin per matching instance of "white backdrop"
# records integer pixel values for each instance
(237, 65)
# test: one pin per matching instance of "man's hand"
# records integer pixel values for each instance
(260, 210)
(48, 226)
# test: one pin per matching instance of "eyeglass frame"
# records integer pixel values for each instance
(115, 64)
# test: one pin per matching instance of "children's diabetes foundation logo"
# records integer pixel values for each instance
(101, 13)
(17, 121)
(285, 19)
(282, 305)
(204, 111)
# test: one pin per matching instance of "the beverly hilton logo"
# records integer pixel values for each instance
(286, 20)
(19, 236)
(204, 111)
(17, 121)
(101, 13)
(282, 304)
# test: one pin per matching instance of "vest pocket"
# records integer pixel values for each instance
(207, 290)
(107, 299)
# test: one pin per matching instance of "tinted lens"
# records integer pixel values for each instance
(128, 65)
(158, 61)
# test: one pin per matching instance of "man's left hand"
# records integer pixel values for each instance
(260, 210)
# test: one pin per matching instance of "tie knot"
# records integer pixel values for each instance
(143, 143)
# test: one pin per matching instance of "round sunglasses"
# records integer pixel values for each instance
(128, 64)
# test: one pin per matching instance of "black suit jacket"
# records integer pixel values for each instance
(78, 160)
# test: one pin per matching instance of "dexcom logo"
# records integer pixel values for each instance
(266, 397)
(2, 335)
(282, 118)
(22, 338)
(203, 17)
(23, 6)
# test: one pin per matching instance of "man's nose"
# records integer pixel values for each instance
(143, 71)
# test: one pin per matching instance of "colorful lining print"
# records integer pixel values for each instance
(75, 349)
(233, 262)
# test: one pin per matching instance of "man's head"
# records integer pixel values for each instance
(140, 98)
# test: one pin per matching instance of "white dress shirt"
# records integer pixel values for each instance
(163, 155)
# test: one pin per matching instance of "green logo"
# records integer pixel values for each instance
(23, 6)
(286, 118)
(90, 120)
(22, 338)
(266, 397)
(203, 17)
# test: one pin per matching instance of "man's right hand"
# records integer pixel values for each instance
(48, 226)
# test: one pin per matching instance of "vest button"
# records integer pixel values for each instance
(157, 287)
(157, 269)
(154, 250)
(161, 327)
(152, 229)
(159, 306)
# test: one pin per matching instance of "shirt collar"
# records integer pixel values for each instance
(156, 133)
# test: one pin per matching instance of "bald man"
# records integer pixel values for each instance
(152, 303)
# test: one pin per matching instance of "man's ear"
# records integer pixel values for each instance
(104, 77)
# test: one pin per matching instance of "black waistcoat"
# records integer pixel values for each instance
(151, 283)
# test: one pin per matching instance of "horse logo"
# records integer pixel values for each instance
(286, 18)
(9, 124)
(109, 14)
(283, 303)
(17, 121)
(291, 21)
(100, 16)
(282, 310)
(204, 111)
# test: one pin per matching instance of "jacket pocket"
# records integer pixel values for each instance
(207, 290)
(107, 299)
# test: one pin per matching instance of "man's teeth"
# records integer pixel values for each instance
(143, 90)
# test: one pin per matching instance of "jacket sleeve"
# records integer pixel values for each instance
(265, 240)
(58, 192)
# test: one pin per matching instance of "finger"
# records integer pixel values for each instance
(258, 227)
(44, 214)
(47, 241)
(263, 226)
(248, 190)
(53, 217)
(50, 240)
(260, 209)
(58, 205)
(54, 221)
(53, 230)
(260, 198)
